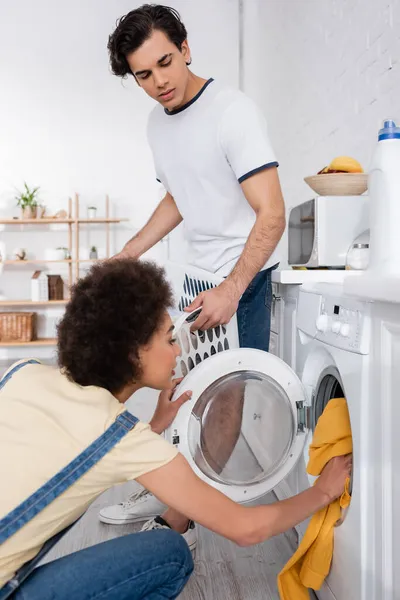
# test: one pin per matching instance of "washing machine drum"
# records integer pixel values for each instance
(243, 429)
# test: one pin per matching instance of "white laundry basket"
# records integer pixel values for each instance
(187, 282)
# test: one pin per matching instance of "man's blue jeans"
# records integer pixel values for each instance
(152, 565)
(254, 312)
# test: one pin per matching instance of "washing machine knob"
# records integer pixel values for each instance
(335, 326)
(322, 323)
(345, 330)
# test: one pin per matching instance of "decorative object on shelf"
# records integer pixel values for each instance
(20, 253)
(39, 287)
(40, 211)
(61, 214)
(54, 254)
(63, 253)
(92, 211)
(27, 201)
(93, 253)
(56, 287)
(17, 326)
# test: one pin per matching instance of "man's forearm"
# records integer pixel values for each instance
(163, 220)
(262, 241)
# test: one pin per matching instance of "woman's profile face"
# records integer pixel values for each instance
(158, 357)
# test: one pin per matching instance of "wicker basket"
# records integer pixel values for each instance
(338, 184)
(17, 326)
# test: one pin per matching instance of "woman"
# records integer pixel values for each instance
(115, 337)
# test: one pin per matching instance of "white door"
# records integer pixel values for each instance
(244, 428)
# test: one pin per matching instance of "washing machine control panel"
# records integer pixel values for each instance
(344, 323)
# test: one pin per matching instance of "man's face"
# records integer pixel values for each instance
(161, 70)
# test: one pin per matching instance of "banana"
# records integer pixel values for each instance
(343, 164)
(347, 164)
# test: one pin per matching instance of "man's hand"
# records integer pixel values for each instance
(218, 306)
(124, 253)
(166, 410)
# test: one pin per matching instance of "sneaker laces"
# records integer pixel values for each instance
(155, 524)
(135, 498)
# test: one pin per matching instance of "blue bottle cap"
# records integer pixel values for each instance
(389, 131)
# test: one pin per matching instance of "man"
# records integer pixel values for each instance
(213, 156)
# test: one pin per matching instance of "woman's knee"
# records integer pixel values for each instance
(176, 548)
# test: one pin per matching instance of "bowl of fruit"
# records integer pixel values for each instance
(344, 176)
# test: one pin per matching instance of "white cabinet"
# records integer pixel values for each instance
(275, 340)
(384, 439)
(283, 322)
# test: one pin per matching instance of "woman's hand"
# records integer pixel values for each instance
(333, 477)
(166, 410)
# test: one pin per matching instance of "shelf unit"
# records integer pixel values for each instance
(74, 221)
(38, 342)
(32, 302)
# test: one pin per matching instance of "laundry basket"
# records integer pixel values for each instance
(187, 282)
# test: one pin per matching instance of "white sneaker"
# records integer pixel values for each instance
(190, 535)
(140, 506)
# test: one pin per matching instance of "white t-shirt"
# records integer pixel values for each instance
(202, 152)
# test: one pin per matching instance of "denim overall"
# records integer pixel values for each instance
(48, 492)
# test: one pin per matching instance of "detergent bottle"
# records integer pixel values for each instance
(384, 198)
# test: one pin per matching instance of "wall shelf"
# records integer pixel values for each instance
(35, 261)
(43, 221)
(73, 222)
(38, 342)
(32, 303)
(102, 220)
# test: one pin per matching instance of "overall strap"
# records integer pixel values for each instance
(10, 373)
(53, 488)
(60, 482)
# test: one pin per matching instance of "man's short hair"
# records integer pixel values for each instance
(136, 27)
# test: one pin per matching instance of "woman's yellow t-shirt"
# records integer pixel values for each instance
(45, 422)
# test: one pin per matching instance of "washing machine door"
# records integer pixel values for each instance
(244, 428)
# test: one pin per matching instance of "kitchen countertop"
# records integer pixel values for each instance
(299, 276)
(374, 286)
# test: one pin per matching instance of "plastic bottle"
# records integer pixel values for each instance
(384, 197)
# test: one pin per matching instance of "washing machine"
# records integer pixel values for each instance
(333, 360)
(248, 456)
(244, 428)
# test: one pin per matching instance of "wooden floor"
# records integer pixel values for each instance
(223, 570)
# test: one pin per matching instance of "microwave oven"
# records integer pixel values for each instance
(321, 230)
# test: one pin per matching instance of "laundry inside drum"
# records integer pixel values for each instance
(330, 386)
(241, 428)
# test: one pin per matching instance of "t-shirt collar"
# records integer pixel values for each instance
(196, 97)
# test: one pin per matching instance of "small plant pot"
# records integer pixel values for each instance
(93, 255)
(92, 211)
(58, 254)
(29, 212)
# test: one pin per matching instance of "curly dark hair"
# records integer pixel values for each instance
(136, 27)
(113, 312)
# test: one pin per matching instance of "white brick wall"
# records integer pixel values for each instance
(326, 74)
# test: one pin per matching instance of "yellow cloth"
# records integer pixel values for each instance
(310, 564)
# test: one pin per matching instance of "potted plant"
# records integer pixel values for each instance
(27, 200)
(63, 253)
(93, 253)
(92, 210)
